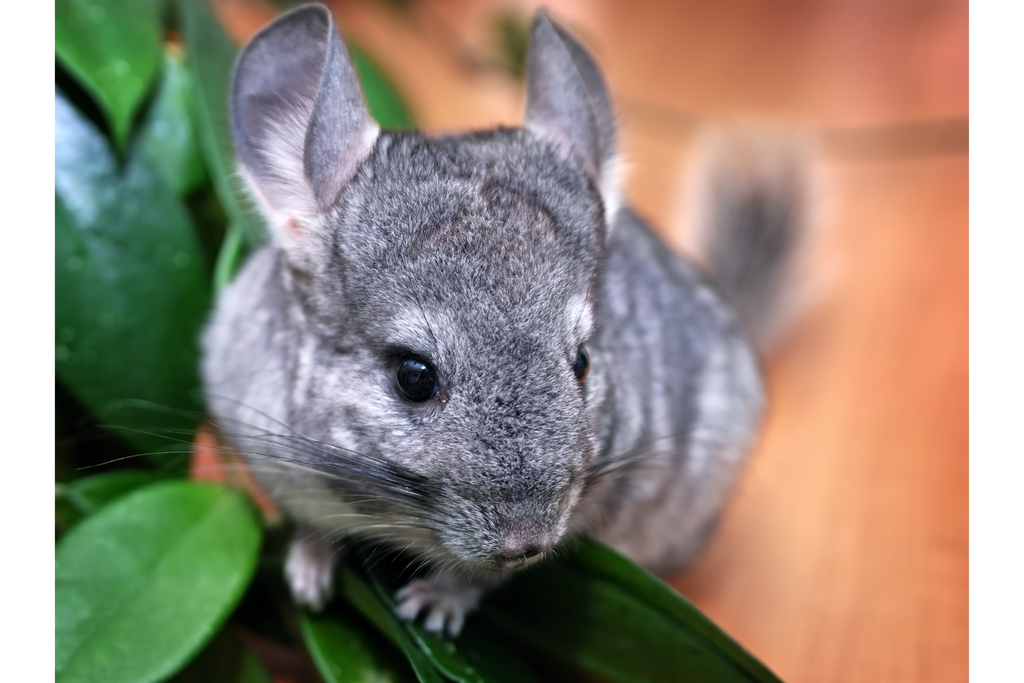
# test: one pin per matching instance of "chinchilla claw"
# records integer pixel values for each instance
(443, 604)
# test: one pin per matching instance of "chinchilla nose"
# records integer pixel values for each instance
(514, 554)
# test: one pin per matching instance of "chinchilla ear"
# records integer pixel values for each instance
(567, 102)
(300, 123)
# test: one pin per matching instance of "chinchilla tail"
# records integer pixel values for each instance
(749, 199)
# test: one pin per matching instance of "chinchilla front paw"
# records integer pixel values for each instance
(443, 602)
(309, 570)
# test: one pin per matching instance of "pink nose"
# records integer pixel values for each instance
(513, 555)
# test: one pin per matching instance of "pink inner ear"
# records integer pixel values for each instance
(292, 227)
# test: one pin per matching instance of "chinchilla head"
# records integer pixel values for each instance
(440, 288)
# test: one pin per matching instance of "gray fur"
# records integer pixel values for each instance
(491, 256)
(750, 205)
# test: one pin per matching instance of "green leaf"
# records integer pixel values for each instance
(597, 610)
(210, 55)
(167, 139)
(229, 258)
(131, 292)
(441, 651)
(354, 588)
(227, 659)
(485, 649)
(80, 498)
(601, 561)
(382, 98)
(143, 584)
(478, 655)
(91, 493)
(346, 650)
(113, 48)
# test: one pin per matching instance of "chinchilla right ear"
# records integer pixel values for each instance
(300, 123)
(567, 102)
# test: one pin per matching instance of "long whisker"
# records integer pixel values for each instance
(372, 485)
(640, 453)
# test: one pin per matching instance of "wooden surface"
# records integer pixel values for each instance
(844, 553)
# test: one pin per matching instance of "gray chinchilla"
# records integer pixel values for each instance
(467, 346)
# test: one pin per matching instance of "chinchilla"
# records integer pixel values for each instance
(468, 347)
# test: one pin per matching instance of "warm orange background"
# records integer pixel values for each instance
(844, 554)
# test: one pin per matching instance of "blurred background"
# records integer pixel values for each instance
(844, 554)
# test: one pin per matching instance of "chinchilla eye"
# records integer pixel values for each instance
(416, 380)
(582, 364)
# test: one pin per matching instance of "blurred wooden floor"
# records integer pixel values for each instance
(844, 554)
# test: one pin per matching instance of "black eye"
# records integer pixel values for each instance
(582, 364)
(416, 380)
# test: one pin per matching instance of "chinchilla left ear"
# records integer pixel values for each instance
(300, 123)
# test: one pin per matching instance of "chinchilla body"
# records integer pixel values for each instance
(467, 346)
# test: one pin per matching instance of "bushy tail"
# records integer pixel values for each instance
(750, 196)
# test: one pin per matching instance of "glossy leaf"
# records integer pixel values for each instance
(210, 56)
(603, 562)
(131, 292)
(346, 650)
(229, 258)
(479, 654)
(358, 593)
(487, 651)
(167, 139)
(227, 659)
(441, 651)
(113, 48)
(143, 584)
(597, 610)
(92, 493)
(471, 658)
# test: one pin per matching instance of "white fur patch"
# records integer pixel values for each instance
(309, 570)
(612, 176)
(579, 315)
(286, 197)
